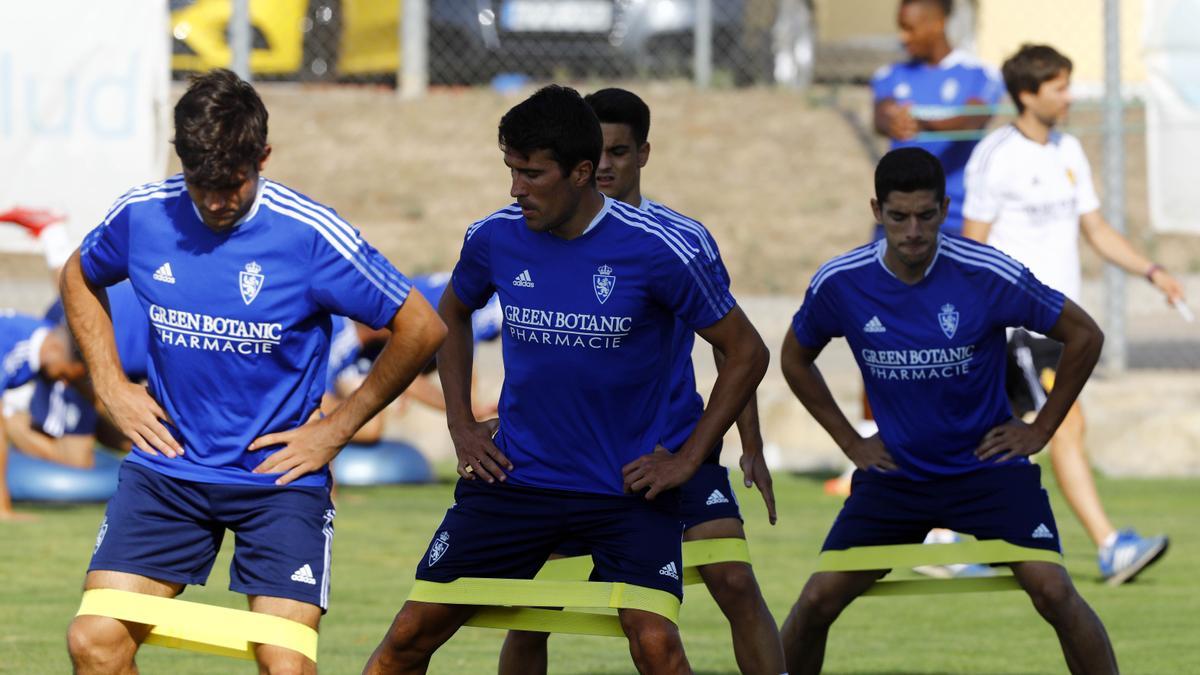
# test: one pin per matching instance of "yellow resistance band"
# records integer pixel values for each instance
(866, 558)
(201, 628)
(516, 603)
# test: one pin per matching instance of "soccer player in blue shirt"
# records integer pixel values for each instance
(238, 275)
(709, 508)
(925, 316)
(28, 347)
(923, 94)
(591, 290)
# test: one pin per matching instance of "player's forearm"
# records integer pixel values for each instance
(806, 382)
(746, 362)
(416, 334)
(455, 361)
(748, 427)
(1116, 249)
(90, 320)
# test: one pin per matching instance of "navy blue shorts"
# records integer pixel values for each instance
(171, 529)
(707, 496)
(1003, 502)
(505, 531)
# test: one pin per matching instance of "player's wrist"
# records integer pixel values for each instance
(1151, 271)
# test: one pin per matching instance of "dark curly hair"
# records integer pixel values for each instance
(220, 129)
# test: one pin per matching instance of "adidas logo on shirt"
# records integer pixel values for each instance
(669, 570)
(164, 275)
(304, 575)
(716, 498)
(874, 326)
(1042, 532)
(523, 280)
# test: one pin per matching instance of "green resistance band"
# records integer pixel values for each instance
(201, 628)
(992, 551)
(520, 604)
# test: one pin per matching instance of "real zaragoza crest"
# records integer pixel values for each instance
(603, 282)
(439, 547)
(250, 281)
(948, 320)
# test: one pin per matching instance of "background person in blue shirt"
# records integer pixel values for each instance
(708, 505)
(239, 276)
(591, 290)
(921, 95)
(925, 316)
(29, 347)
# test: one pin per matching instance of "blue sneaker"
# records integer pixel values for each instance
(1129, 555)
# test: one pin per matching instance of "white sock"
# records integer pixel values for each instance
(1109, 540)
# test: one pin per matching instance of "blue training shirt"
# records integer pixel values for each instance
(935, 91)
(589, 329)
(20, 340)
(932, 355)
(241, 319)
(686, 405)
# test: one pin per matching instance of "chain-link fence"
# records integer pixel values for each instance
(472, 42)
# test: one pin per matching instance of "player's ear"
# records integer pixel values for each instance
(643, 154)
(583, 174)
(877, 210)
(262, 161)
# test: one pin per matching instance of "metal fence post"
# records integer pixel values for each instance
(1116, 355)
(239, 39)
(702, 44)
(414, 49)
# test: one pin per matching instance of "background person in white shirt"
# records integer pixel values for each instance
(1029, 193)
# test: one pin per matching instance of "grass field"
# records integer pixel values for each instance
(381, 532)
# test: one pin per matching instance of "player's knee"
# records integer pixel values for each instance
(734, 587)
(1052, 596)
(99, 643)
(654, 642)
(819, 604)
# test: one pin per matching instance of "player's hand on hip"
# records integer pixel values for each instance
(1012, 439)
(135, 412)
(754, 468)
(306, 449)
(657, 472)
(477, 454)
(869, 453)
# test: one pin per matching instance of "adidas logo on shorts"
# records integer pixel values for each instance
(669, 570)
(874, 326)
(1042, 532)
(716, 498)
(523, 280)
(304, 575)
(163, 274)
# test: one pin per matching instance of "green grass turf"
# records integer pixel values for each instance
(381, 532)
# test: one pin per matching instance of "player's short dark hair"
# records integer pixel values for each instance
(1030, 68)
(621, 106)
(946, 6)
(556, 119)
(909, 170)
(220, 128)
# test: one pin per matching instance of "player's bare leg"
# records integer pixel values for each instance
(806, 629)
(415, 634)
(1074, 474)
(272, 659)
(654, 643)
(1084, 641)
(101, 645)
(756, 644)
